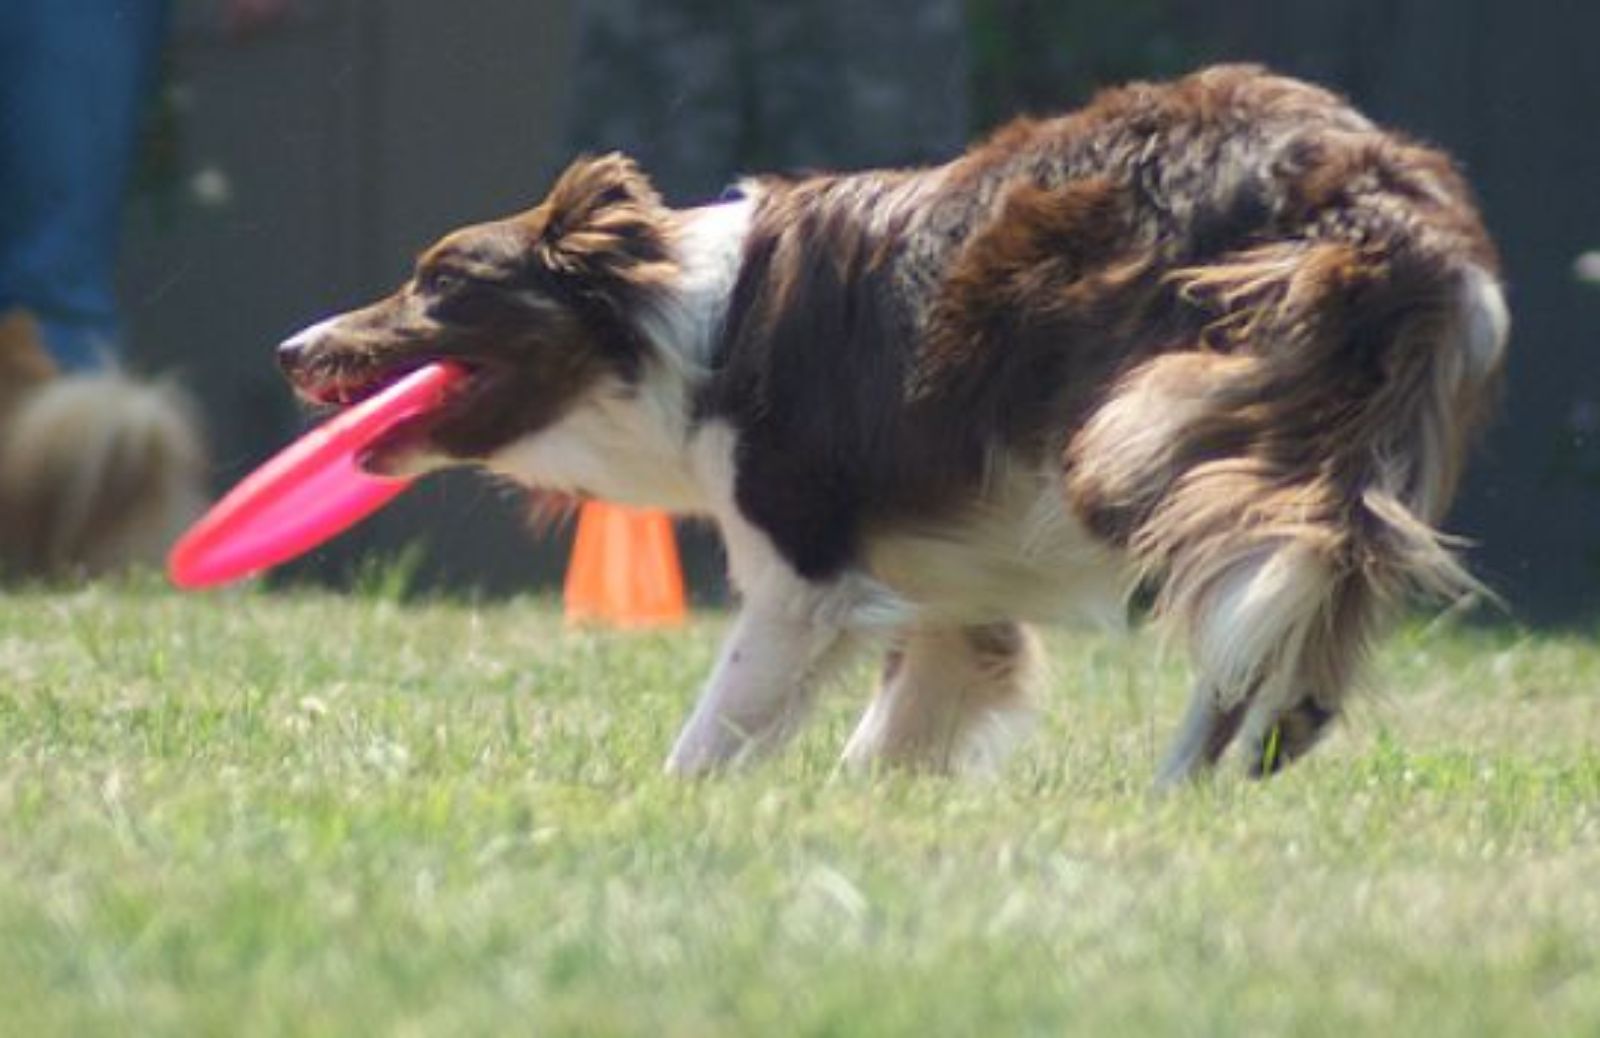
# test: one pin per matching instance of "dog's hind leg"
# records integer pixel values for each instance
(1257, 616)
(1202, 738)
(1279, 487)
(954, 699)
(1274, 738)
(1281, 729)
(1280, 630)
(1290, 735)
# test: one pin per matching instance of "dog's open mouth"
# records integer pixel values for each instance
(424, 441)
(342, 388)
(399, 450)
(477, 415)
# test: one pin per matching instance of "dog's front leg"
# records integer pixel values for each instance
(782, 645)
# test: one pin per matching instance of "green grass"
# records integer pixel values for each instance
(309, 814)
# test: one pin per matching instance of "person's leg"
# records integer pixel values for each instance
(75, 76)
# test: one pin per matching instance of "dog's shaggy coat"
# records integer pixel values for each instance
(1222, 338)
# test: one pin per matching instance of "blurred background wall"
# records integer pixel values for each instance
(296, 172)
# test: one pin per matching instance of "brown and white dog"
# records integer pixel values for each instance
(1222, 338)
(99, 472)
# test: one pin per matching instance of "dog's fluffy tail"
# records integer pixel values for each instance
(97, 473)
(1280, 483)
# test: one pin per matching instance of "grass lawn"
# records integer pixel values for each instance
(308, 814)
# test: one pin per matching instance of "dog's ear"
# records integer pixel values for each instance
(604, 217)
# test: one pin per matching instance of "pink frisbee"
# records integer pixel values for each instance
(309, 492)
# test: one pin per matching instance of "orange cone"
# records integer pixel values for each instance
(624, 570)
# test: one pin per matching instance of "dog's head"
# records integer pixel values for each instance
(542, 308)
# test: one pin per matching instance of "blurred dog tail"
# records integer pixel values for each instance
(1282, 481)
(98, 473)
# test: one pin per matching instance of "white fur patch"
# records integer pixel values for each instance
(709, 243)
(1254, 617)
(1019, 554)
(308, 336)
(1487, 321)
(627, 445)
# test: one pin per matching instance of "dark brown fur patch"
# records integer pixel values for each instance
(891, 332)
(603, 227)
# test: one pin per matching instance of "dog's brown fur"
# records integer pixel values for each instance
(98, 473)
(1238, 334)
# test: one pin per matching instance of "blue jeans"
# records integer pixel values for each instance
(75, 76)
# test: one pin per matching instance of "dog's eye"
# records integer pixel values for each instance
(441, 282)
